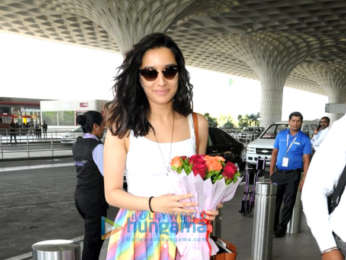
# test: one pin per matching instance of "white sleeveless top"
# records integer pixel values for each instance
(146, 164)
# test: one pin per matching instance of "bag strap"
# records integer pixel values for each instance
(334, 198)
(195, 127)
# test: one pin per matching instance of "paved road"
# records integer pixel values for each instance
(33, 162)
(35, 146)
(37, 205)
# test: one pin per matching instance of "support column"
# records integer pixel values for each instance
(272, 57)
(336, 96)
(271, 98)
(126, 21)
(331, 77)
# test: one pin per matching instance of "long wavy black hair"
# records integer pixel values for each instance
(130, 108)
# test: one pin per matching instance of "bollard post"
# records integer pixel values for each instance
(263, 222)
(52, 148)
(59, 249)
(2, 151)
(293, 226)
(27, 148)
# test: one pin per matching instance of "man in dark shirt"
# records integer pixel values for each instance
(44, 128)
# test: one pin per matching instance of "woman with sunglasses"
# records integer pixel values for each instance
(150, 123)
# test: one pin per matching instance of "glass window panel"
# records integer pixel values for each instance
(66, 118)
(50, 118)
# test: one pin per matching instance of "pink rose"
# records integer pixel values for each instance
(229, 170)
(199, 166)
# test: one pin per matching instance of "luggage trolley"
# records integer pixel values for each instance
(251, 176)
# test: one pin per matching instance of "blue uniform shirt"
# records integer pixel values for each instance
(301, 146)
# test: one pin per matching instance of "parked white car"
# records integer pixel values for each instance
(70, 137)
(249, 134)
(262, 147)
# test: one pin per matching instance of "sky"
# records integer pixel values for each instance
(45, 69)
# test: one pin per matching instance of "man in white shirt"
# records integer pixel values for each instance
(320, 133)
(323, 175)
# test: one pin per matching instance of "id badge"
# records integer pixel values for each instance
(285, 162)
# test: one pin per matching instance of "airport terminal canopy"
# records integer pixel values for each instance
(297, 43)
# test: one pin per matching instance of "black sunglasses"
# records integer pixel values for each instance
(150, 74)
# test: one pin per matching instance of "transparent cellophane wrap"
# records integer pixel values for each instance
(191, 242)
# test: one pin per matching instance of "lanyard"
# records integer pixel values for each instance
(289, 146)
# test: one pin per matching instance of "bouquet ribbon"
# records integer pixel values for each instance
(206, 222)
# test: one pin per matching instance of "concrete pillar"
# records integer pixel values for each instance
(271, 98)
(331, 77)
(272, 56)
(126, 21)
(337, 96)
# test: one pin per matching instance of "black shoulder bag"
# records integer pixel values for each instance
(334, 198)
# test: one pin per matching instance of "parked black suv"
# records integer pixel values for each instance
(221, 143)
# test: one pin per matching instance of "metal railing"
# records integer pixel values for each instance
(29, 134)
(27, 144)
(247, 137)
(241, 136)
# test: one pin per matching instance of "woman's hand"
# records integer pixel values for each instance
(173, 204)
(211, 214)
(333, 255)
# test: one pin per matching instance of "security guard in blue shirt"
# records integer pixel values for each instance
(290, 156)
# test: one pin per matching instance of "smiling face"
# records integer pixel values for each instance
(161, 89)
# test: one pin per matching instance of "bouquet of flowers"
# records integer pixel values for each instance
(211, 180)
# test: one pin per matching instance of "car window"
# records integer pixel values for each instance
(219, 137)
(273, 130)
(269, 133)
(280, 128)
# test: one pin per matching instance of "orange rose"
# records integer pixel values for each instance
(220, 158)
(213, 163)
(177, 162)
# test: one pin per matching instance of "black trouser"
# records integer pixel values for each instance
(13, 136)
(91, 213)
(287, 187)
